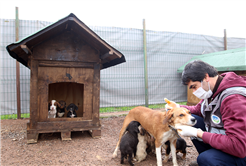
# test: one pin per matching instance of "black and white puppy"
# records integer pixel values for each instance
(61, 109)
(72, 108)
(129, 142)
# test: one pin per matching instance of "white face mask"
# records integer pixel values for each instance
(202, 94)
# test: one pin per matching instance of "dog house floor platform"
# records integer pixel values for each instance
(32, 135)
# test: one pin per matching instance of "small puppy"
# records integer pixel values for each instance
(129, 142)
(72, 108)
(180, 147)
(61, 109)
(53, 104)
(142, 144)
(150, 143)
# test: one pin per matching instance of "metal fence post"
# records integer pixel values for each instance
(145, 66)
(17, 65)
(225, 40)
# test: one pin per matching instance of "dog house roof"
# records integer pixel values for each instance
(20, 50)
(229, 60)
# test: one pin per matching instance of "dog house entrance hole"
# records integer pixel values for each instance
(68, 92)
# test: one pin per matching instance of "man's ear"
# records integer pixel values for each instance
(206, 77)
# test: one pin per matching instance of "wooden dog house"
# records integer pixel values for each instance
(65, 59)
(224, 61)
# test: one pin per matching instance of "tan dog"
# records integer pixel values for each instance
(158, 125)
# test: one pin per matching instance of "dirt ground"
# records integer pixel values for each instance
(81, 150)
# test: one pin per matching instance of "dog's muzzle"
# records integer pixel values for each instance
(193, 120)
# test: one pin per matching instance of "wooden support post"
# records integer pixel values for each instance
(32, 137)
(95, 133)
(66, 136)
(17, 65)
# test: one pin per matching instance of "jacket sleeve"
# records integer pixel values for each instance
(233, 111)
(194, 109)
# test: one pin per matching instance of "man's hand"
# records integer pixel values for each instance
(188, 131)
(170, 104)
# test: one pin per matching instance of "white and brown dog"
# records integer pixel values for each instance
(141, 153)
(53, 104)
(160, 125)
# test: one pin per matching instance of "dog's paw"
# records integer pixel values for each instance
(114, 155)
(165, 159)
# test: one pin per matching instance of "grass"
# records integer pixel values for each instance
(127, 108)
(102, 110)
(14, 116)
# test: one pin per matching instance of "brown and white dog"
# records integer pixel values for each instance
(141, 153)
(158, 124)
(53, 104)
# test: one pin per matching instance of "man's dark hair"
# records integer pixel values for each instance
(196, 71)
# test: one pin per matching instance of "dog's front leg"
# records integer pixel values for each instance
(173, 151)
(158, 156)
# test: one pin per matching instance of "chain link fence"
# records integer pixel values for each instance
(121, 86)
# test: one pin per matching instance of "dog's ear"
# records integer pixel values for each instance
(127, 129)
(142, 131)
(169, 116)
(58, 104)
(69, 106)
(63, 104)
(76, 108)
(49, 104)
(138, 130)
